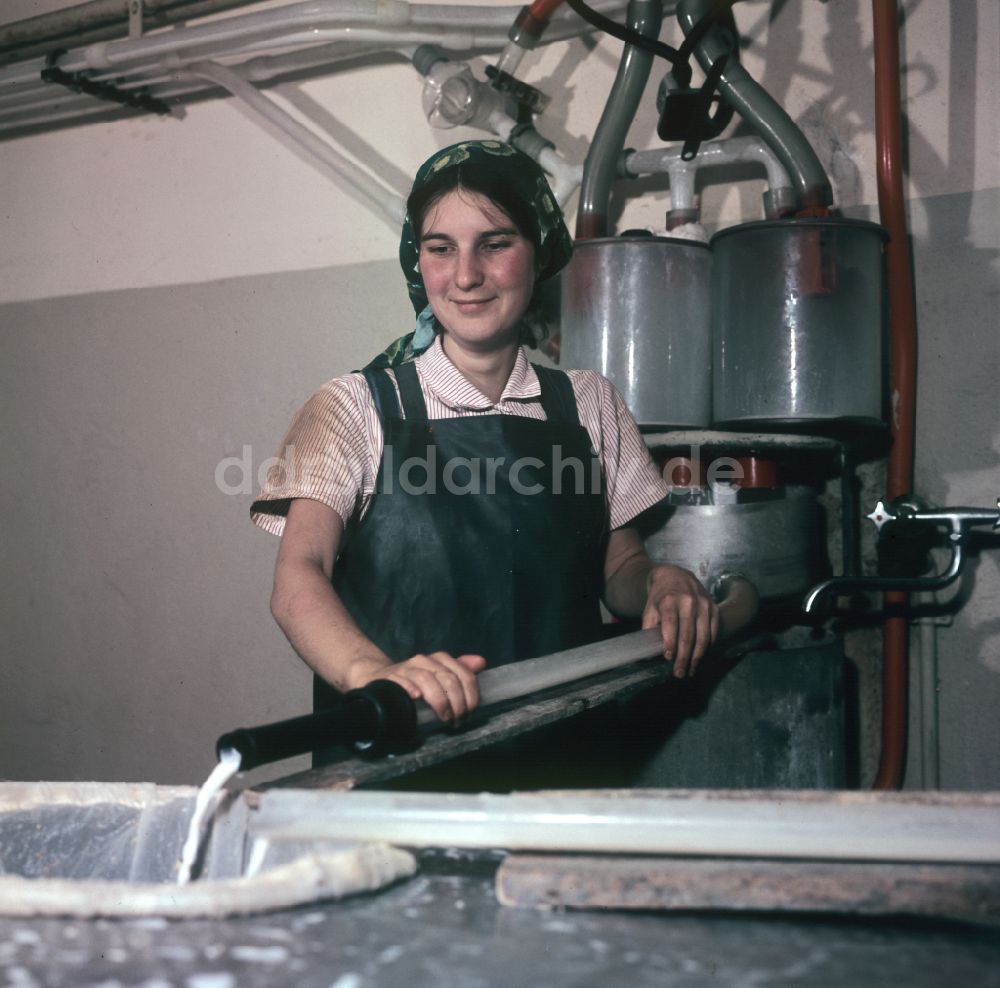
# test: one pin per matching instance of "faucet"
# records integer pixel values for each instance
(958, 521)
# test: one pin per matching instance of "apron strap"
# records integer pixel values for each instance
(414, 409)
(383, 394)
(557, 396)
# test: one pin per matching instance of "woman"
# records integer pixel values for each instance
(453, 505)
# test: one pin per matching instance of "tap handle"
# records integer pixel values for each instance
(957, 519)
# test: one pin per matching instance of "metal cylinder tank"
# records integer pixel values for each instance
(775, 543)
(797, 326)
(637, 310)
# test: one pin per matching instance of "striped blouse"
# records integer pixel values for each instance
(333, 447)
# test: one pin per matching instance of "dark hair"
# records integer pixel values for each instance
(492, 186)
(505, 196)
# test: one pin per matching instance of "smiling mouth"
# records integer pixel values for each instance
(471, 303)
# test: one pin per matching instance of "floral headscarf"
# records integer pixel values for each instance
(552, 252)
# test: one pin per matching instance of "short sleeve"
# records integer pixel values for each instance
(632, 482)
(326, 455)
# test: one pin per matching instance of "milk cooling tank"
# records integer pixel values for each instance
(636, 308)
(797, 323)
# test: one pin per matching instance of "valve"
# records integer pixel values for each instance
(454, 97)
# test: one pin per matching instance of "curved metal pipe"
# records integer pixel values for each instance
(682, 173)
(755, 105)
(601, 166)
(886, 584)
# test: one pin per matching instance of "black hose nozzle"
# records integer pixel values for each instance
(380, 717)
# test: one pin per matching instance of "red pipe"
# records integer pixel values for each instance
(544, 9)
(531, 22)
(902, 368)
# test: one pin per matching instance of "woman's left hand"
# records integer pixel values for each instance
(687, 616)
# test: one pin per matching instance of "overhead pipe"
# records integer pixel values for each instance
(99, 20)
(902, 370)
(278, 24)
(372, 193)
(131, 63)
(601, 167)
(756, 106)
(225, 36)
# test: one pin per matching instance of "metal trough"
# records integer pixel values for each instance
(97, 849)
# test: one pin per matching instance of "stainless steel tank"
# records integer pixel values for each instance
(775, 543)
(797, 325)
(637, 310)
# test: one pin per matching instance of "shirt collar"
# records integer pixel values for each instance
(441, 377)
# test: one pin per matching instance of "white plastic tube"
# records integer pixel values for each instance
(283, 22)
(737, 607)
(226, 35)
(368, 26)
(821, 826)
(373, 194)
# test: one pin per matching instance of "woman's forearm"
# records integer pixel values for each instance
(627, 587)
(308, 609)
(322, 632)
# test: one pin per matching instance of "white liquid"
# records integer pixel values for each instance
(229, 765)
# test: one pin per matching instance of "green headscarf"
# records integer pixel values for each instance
(552, 251)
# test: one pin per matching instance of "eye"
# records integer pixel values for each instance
(495, 246)
(438, 250)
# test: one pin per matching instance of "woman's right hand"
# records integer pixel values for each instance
(445, 683)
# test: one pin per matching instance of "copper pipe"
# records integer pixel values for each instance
(902, 368)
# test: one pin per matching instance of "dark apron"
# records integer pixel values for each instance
(486, 535)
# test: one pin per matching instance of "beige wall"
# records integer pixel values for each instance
(170, 290)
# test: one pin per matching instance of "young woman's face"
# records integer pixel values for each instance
(478, 270)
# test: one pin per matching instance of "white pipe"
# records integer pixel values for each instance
(841, 826)
(381, 26)
(532, 675)
(310, 17)
(682, 173)
(566, 176)
(737, 608)
(373, 194)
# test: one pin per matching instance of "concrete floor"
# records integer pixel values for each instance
(444, 928)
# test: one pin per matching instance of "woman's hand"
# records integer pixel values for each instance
(687, 616)
(446, 684)
(321, 630)
(666, 596)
